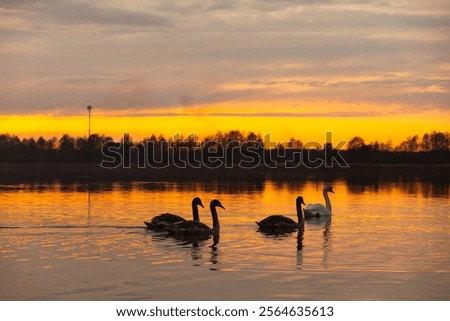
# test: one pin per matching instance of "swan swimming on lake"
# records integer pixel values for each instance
(195, 228)
(162, 221)
(282, 224)
(318, 210)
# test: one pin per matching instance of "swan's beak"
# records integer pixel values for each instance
(201, 205)
(221, 206)
(303, 202)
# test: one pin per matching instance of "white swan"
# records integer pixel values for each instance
(318, 210)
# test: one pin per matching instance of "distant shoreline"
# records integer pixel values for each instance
(86, 172)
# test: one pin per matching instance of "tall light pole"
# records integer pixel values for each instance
(89, 108)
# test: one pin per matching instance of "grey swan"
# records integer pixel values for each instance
(319, 210)
(282, 224)
(195, 229)
(161, 222)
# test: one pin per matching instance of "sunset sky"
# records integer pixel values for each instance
(375, 68)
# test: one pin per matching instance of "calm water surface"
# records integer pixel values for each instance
(386, 241)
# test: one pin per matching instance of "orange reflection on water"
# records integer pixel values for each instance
(93, 234)
(40, 204)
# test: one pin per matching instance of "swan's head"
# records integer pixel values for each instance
(328, 188)
(216, 203)
(197, 201)
(300, 201)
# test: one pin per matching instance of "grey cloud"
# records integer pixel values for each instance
(15, 4)
(70, 12)
(222, 5)
(187, 100)
(187, 52)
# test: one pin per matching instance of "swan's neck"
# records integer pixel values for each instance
(327, 200)
(300, 214)
(195, 215)
(215, 219)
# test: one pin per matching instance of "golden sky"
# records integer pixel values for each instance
(376, 69)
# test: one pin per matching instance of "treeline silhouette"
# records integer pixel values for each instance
(67, 149)
(234, 145)
(431, 148)
(435, 141)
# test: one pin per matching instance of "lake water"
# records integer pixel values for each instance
(386, 241)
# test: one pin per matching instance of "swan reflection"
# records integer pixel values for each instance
(323, 224)
(300, 248)
(214, 259)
